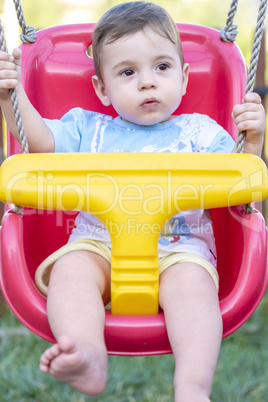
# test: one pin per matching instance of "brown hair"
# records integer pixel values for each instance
(128, 18)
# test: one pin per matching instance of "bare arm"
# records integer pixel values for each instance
(38, 134)
(250, 117)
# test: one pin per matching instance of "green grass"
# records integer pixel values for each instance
(242, 373)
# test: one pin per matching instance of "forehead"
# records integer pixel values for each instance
(144, 43)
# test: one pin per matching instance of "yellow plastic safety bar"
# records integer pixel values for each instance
(133, 195)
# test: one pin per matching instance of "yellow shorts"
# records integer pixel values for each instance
(43, 271)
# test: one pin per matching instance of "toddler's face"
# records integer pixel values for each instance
(142, 77)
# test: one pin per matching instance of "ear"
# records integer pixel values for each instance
(100, 91)
(185, 74)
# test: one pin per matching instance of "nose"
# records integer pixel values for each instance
(147, 81)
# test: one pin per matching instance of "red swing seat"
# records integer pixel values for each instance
(57, 76)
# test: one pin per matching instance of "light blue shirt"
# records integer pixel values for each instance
(85, 131)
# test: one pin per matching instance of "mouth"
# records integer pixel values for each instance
(150, 103)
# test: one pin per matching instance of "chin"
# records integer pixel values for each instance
(151, 122)
(147, 120)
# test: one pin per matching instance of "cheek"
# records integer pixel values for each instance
(122, 97)
(121, 105)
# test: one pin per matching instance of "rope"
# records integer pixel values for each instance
(228, 34)
(14, 101)
(16, 110)
(28, 35)
(253, 63)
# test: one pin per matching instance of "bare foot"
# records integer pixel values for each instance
(81, 367)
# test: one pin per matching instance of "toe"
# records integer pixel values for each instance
(66, 344)
(49, 355)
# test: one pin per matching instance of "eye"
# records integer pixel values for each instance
(162, 67)
(128, 72)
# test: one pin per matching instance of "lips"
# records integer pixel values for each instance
(150, 103)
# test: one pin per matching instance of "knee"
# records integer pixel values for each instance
(185, 279)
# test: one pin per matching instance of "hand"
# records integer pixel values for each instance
(10, 72)
(250, 117)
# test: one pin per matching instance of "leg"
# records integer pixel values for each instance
(78, 288)
(189, 299)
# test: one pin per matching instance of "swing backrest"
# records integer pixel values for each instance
(57, 75)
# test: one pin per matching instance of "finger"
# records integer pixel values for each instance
(6, 56)
(17, 56)
(8, 74)
(8, 84)
(252, 97)
(6, 67)
(249, 107)
(250, 121)
(247, 115)
(252, 126)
